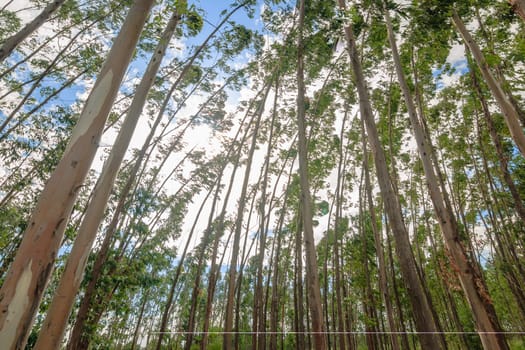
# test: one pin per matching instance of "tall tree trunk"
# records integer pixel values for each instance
(424, 320)
(28, 276)
(145, 300)
(56, 320)
(298, 287)
(470, 277)
(378, 242)
(312, 275)
(232, 273)
(509, 112)
(276, 277)
(339, 191)
(368, 302)
(12, 42)
(200, 265)
(259, 337)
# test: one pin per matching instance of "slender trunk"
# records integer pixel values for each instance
(368, 298)
(245, 253)
(312, 275)
(276, 277)
(85, 305)
(201, 259)
(298, 287)
(232, 273)
(471, 279)
(258, 340)
(378, 242)
(339, 191)
(28, 276)
(509, 112)
(139, 321)
(12, 42)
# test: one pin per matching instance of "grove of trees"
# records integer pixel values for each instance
(262, 174)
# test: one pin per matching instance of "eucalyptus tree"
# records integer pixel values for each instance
(421, 304)
(30, 270)
(312, 274)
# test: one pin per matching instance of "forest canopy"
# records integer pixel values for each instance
(262, 174)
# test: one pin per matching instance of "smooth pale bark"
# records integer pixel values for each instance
(12, 42)
(57, 316)
(421, 308)
(312, 274)
(470, 277)
(519, 7)
(76, 338)
(28, 276)
(510, 114)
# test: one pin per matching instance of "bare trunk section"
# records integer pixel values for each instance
(312, 275)
(470, 277)
(510, 114)
(28, 276)
(424, 320)
(12, 42)
(56, 320)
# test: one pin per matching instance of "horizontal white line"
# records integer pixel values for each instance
(359, 333)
